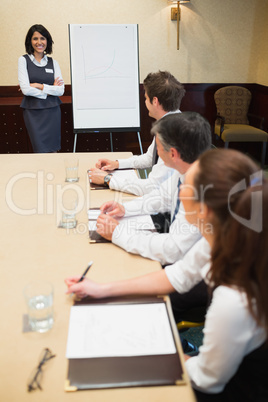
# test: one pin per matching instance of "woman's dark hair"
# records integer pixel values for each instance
(43, 31)
(227, 182)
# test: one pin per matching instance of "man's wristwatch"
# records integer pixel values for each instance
(107, 179)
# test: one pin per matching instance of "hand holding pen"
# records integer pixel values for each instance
(77, 284)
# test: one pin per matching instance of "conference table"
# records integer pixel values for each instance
(34, 247)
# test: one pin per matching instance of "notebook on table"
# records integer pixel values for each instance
(122, 343)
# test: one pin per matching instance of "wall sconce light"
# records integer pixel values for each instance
(176, 16)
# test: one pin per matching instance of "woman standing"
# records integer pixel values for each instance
(41, 83)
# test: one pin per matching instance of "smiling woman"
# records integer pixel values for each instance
(41, 83)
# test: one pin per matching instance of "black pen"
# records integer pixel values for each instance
(86, 271)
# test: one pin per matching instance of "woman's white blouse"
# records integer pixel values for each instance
(230, 333)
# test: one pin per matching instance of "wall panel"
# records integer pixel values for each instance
(198, 98)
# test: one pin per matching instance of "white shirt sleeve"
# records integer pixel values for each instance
(163, 247)
(55, 90)
(230, 333)
(158, 200)
(139, 161)
(191, 269)
(138, 186)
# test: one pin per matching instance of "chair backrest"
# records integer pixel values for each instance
(232, 102)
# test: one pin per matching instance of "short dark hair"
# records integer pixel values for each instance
(188, 132)
(168, 90)
(43, 31)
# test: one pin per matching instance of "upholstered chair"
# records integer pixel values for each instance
(232, 124)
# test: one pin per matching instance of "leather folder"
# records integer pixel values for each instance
(95, 237)
(94, 186)
(130, 371)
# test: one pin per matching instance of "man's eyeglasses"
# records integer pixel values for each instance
(35, 379)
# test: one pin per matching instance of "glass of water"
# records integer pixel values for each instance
(69, 209)
(39, 300)
(71, 169)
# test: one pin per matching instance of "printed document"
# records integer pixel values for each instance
(139, 329)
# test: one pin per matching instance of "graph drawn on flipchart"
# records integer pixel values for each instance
(104, 67)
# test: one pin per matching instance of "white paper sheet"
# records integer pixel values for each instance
(92, 225)
(119, 330)
(138, 222)
(93, 214)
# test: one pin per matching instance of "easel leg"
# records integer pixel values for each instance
(139, 139)
(111, 142)
(75, 140)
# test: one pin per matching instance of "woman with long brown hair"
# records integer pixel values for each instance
(231, 211)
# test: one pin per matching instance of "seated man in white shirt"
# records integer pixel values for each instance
(180, 139)
(163, 95)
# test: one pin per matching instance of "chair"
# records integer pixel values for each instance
(190, 341)
(232, 125)
(184, 325)
(194, 317)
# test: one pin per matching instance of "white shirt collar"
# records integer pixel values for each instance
(182, 178)
(43, 61)
(172, 112)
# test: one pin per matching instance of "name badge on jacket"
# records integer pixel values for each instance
(49, 70)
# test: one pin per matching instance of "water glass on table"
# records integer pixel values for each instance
(71, 169)
(69, 209)
(39, 300)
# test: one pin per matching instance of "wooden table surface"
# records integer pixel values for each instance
(33, 247)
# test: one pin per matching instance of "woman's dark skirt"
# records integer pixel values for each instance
(44, 128)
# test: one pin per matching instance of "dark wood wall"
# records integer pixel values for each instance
(199, 98)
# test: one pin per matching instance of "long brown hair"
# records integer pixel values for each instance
(240, 253)
(246, 253)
